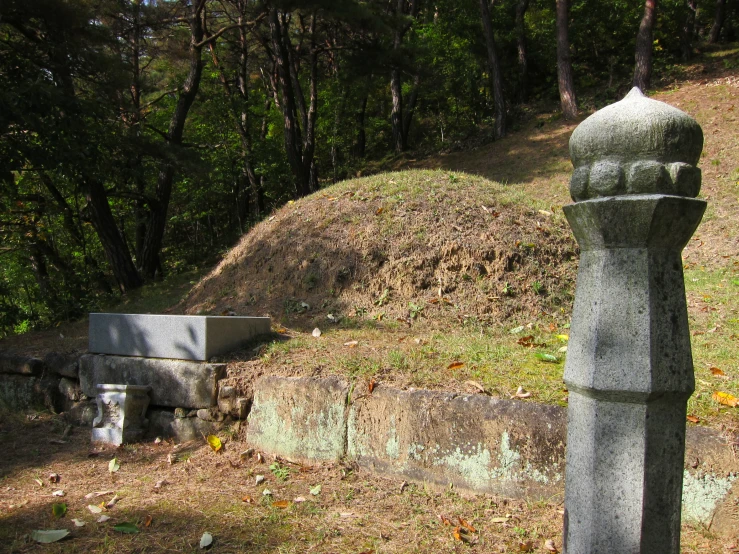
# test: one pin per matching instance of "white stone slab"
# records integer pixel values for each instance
(183, 337)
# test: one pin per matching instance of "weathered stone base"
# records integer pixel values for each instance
(164, 424)
(22, 392)
(174, 383)
(477, 443)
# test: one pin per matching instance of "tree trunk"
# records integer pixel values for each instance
(643, 56)
(287, 104)
(523, 57)
(496, 79)
(360, 143)
(410, 106)
(686, 40)
(150, 262)
(565, 77)
(396, 113)
(718, 22)
(116, 250)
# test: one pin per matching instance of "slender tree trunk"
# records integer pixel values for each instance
(360, 142)
(396, 113)
(565, 77)
(309, 141)
(643, 56)
(718, 22)
(287, 103)
(150, 262)
(496, 78)
(116, 250)
(523, 57)
(686, 40)
(410, 106)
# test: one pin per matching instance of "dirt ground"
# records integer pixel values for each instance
(175, 494)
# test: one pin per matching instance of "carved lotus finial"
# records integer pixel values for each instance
(636, 146)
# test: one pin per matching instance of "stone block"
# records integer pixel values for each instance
(477, 443)
(70, 389)
(22, 392)
(62, 364)
(174, 383)
(163, 423)
(172, 336)
(301, 419)
(21, 365)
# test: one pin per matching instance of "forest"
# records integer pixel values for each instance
(141, 138)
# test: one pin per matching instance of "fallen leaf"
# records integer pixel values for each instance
(112, 502)
(206, 540)
(552, 327)
(316, 332)
(315, 491)
(113, 465)
(455, 365)
(466, 525)
(259, 479)
(147, 521)
(54, 478)
(726, 399)
(549, 545)
(40, 482)
(457, 534)
(126, 527)
(98, 493)
(352, 343)
(371, 386)
(499, 520)
(526, 341)
(517, 330)
(693, 419)
(563, 338)
(248, 499)
(527, 546)
(281, 330)
(717, 371)
(521, 393)
(57, 493)
(299, 499)
(103, 518)
(58, 510)
(214, 442)
(476, 385)
(78, 523)
(266, 492)
(549, 358)
(49, 536)
(159, 484)
(95, 509)
(282, 504)
(379, 211)
(444, 520)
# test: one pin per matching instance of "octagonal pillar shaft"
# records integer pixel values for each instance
(629, 371)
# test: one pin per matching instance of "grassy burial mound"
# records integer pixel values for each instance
(410, 246)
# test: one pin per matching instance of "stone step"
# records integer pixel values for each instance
(174, 383)
(181, 337)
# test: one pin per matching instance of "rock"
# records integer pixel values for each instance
(211, 414)
(180, 413)
(22, 392)
(82, 413)
(242, 408)
(71, 389)
(299, 418)
(174, 383)
(163, 423)
(65, 365)
(21, 365)
(227, 399)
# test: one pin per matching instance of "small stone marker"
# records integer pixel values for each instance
(121, 413)
(629, 364)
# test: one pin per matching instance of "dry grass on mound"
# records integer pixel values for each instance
(393, 245)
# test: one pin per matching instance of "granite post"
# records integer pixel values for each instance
(629, 365)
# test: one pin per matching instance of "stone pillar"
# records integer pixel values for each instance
(121, 413)
(629, 366)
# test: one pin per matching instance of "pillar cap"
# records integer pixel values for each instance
(636, 146)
